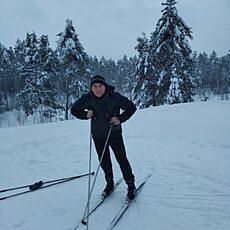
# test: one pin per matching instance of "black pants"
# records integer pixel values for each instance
(118, 147)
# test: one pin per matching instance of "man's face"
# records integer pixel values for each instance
(98, 89)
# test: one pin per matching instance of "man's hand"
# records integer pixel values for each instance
(89, 114)
(115, 121)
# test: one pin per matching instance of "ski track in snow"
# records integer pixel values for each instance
(185, 148)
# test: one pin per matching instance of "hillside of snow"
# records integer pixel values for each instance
(185, 147)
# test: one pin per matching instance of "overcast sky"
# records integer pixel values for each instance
(110, 27)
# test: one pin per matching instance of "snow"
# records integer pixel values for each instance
(185, 147)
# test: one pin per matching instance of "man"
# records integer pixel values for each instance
(103, 106)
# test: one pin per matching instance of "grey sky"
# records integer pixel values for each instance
(110, 27)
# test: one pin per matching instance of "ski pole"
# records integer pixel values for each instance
(46, 182)
(46, 186)
(90, 160)
(94, 181)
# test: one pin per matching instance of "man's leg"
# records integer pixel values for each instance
(106, 165)
(118, 147)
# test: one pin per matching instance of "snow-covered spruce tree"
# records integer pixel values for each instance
(108, 69)
(75, 76)
(224, 80)
(171, 56)
(144, 91)
(214, 72)
(94, 65)
(195, 74)
(129, 77)
(202, 78)
(125, 76)
(19, 53)
(45, 54)
(123, 72)
(211, 75)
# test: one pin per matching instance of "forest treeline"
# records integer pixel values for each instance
(36, 79)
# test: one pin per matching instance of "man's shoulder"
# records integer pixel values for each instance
(114, 95)
(83, 99)
(117, 95)
(86, 96)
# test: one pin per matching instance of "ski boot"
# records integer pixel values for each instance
(131, 192)
(108, 189)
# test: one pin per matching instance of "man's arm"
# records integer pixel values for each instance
(127, 106)
(80, 108)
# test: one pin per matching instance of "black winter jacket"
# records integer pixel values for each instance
(109, 105)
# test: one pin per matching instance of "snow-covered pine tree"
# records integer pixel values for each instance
(171, 56)
(27, 97)
(74, 64)
(19, 62)
(4, 78)
(37, 95)
(47, 64)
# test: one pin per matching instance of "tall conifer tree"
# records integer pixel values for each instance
(74, 64)
(171, 55)
(164, 71)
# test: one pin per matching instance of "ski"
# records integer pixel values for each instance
(100, 202)
(126, 205)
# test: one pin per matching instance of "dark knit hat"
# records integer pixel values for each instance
(98, 79)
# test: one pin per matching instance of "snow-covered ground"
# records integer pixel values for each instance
(185, 147)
